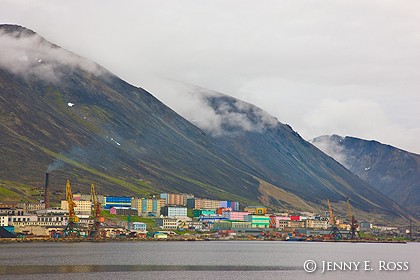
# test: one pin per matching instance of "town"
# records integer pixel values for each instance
(179, 216)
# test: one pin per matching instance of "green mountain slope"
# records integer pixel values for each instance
(62, 113)
(116, 134)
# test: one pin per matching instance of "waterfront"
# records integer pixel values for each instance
(200, 260)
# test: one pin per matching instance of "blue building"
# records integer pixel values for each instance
(117, 201)
(139, 226)
(230, 204)
(211, 219)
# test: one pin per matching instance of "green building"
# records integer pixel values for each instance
(258, 221)
(232, 225)
(203, 212)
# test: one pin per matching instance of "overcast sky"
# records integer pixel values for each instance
(324, 67)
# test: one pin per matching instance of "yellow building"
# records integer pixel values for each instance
(83, 207)
(146, 206)
(317, 224)
(257, 210)
(295, 224)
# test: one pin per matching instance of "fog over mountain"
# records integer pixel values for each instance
(324, 67)
(87, 124)
(31, 56)
(392, 171)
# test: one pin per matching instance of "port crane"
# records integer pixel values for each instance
(353, 234)
(335, 232)
(72, 229)
(95, 228)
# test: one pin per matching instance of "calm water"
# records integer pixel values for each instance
(202, 260)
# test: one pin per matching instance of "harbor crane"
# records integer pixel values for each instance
(72, 229)
(353, 234)
(95, 228)
(335, 232)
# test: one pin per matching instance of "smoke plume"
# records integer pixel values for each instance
(57, 164)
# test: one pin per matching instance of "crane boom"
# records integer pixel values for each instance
(71, 229)
(93, 199)
(71, 203)
(332, 218)
(96, 206)
(95, 229)
(335, 232)
(349, 210)
(353, 234)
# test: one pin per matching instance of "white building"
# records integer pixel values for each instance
(12, 211)
(191, 225)
(174, 211)
(167, 223)
(56, 219)
(31, 207)
(12, 219)
(4, 221)
(83, 207)
(317, 224)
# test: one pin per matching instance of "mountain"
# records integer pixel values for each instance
(392, 171)
(61, 111)
(292, 168)
(67, 115)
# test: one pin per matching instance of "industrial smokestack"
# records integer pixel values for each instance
(46, 193)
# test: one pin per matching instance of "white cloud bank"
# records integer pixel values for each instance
(365, 117)
(30, 56)
(333, 149)
(227, 116)
(295, 59)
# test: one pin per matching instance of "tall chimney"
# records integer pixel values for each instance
(46, 193)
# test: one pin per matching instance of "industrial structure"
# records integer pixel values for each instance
(81, 215)
(98, 219)
(72, 229)
(334, 232)
(47, 192)
(353, 234)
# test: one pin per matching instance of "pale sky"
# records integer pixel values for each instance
(324, 67)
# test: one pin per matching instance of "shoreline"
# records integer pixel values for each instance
(71, 240)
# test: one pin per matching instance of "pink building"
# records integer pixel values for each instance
(282, 218)
(235, 216)
(113, 211)
(281, 221)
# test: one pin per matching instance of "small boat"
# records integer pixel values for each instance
(292, 238)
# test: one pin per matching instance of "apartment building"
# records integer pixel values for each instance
(202, 203)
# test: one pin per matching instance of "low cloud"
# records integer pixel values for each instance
(331, 147)
(211, 111)
(359, 118)
(286, 57)
(29, 55)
